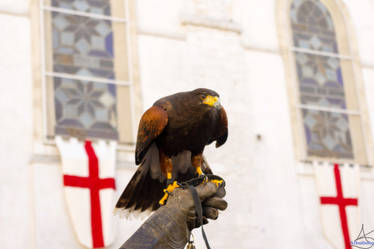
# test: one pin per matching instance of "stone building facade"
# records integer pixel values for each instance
(243, 49)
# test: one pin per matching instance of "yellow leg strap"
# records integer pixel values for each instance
(170, 188)
(217, 182)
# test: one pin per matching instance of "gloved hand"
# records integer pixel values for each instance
(170, 225)
(210, 196)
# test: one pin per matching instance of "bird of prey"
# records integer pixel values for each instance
(171, 138)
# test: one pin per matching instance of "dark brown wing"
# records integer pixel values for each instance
(151, 125)
(221, 129)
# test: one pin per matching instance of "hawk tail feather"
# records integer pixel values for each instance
(141, 194)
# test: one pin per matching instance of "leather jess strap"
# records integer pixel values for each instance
(191, 184)
(199, 212)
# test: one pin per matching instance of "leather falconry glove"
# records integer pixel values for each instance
(170, 225)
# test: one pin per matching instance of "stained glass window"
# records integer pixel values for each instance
(82, 65)
(322, 90)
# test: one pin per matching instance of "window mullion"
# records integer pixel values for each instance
(87, 78)
(85, 14)
(321, 53)
(327, 109)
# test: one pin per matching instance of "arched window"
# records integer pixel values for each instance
(325, 99)
(87, 68)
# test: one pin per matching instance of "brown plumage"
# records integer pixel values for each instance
(171, 138)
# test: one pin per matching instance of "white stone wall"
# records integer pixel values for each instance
(16, 128)
(363, 21)
(19, 7)
(234, 51)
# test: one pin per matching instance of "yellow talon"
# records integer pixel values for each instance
(217, 182)
(170, 188)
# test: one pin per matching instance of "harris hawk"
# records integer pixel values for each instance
(171, 138)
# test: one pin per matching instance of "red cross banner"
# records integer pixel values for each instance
(88, 177)
(338, 192)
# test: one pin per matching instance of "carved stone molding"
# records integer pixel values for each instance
(168, 34)
(209, 22)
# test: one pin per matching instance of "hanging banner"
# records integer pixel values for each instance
(338, 189)
(88, 176)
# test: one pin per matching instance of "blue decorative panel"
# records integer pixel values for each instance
(87, 107)
(101, 7)
(320, 80)
(82, 46)
(327, 134)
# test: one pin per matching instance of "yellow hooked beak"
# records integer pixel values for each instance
(212, 101)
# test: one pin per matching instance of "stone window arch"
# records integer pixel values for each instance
(327, 100)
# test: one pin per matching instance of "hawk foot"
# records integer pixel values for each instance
(170, 188)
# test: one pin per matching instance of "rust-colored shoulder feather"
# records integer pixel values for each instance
(151, 125)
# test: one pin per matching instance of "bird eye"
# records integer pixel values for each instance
(202, 96)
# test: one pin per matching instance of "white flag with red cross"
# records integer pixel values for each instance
(88, 176)
(338, 189)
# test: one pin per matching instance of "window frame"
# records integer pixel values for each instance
(43, 117)
(348, 50)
